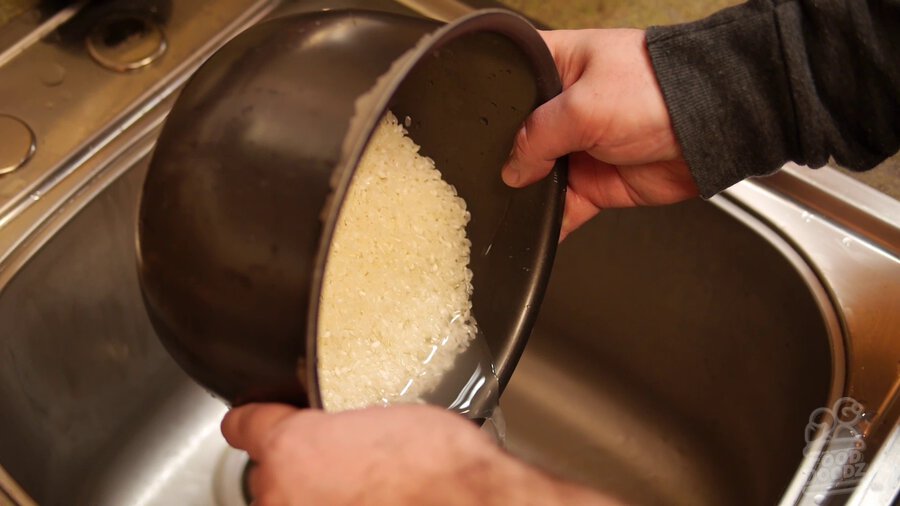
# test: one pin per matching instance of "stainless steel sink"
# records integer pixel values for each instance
(678, 358)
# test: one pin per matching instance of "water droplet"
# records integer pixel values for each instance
(407, 121)
(847, 242)
(484, 121)
(52, 74)
(806, 216)
(495, 426)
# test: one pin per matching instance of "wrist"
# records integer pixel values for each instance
(514, 482)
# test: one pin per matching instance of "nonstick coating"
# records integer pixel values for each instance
(246, 181)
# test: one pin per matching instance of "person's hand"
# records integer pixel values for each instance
(402, 455)
(612, 118)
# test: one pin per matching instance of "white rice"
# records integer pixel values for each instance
(395, 308)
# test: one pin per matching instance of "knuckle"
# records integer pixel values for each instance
(277, 441)
(576, 106)
(581, 111)
(521, 144)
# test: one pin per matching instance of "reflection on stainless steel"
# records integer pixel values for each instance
(849, 234)
(861, 271)
(126, 42)
(18, 143)
(11, 494)
(850, 205)
(34, 35)
(679, 352)
(679, 355)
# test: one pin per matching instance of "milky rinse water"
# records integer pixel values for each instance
(471, 388)
(395, 319)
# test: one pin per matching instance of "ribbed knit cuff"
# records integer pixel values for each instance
(727, 91)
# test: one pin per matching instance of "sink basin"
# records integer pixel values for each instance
(678, 358)
(678, 355)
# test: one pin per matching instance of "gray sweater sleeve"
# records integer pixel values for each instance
(771, 81)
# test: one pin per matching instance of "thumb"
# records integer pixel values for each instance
(554, 129)
(245, 427)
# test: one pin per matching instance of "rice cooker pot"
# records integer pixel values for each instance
(243, 189)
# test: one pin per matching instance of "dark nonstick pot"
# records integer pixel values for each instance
(246, 181)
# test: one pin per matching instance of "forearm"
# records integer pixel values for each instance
(772, 81)
(527, 485)
(485, 475)
(501, 480)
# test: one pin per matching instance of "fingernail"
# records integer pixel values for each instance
(511, 176)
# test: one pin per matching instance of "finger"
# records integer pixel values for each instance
(246, 427)
(611, 186)
(554, 129)
(599, 183)
(578, 211)
(264, 489)
(254, 480)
